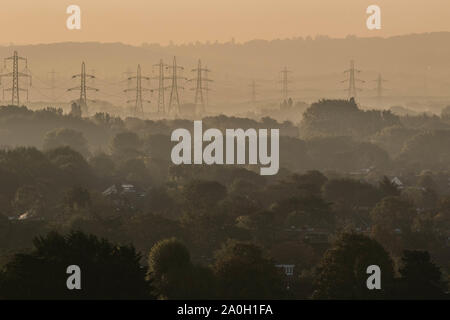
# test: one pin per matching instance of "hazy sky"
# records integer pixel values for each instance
(183, 21)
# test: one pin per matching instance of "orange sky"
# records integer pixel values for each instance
(183, 21)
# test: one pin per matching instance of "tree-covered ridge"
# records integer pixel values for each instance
(220, 231)
(344, 118)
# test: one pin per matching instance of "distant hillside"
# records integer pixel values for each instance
(415, 65)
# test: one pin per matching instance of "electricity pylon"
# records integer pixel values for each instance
(284, 83)
(52, 81)
(161, 89)
(253, 86)
(352, 79)
(380, 88)
(200, 79)
(174, 97)
(83, 87)
(139, 108)
(15, 74)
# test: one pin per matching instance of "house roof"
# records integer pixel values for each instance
(397, 181)
(125, 188)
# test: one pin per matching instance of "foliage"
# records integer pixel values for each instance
(244, 273)
(342, 271)
(108, 271)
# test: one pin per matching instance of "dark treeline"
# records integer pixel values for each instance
(355, 188)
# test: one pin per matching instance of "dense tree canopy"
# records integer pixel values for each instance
(108, 271)
(244, 273)
(66, 137)
(342, 271)
(377, 174)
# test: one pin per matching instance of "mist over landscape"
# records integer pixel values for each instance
(297, 168)
(415, 66)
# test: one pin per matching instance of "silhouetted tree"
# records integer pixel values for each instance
(66, 137)
(420, 277)
(126, 145)
(72, 167)
(102, 165)
(392, 220)
(173, 274)
(108, 271)
(203, 195)
(244, 273)
(342, 271)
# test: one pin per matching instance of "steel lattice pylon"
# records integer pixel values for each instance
(83, 87)
(138, 108)
(15, 74)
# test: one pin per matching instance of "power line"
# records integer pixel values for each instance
(174, 97)
(83, 87)
(161, 89)
(128, 74)
(47, 86)
(352, 89)
(207, 89)
(93, 79)
(380, 88)
(15, 74)
(253, 92)
(52, 86)
(138, 109)
(199, 101)
(284, 83)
